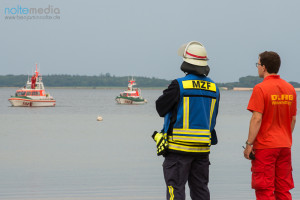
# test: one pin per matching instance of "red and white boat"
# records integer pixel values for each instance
(131, 95)
(33, 94)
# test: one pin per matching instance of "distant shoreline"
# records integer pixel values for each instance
(247, 89)
(108, 81)
(100, 87)
(143, 88)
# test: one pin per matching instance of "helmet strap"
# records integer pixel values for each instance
(188, 68)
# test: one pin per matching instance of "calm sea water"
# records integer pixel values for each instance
(63, 153)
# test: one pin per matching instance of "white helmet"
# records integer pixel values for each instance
(194, 53)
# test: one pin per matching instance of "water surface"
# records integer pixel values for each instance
(63, 153)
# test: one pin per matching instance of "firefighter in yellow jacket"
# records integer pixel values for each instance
(189, 107)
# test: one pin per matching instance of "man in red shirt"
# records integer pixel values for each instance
(33, 80)
(273, 106)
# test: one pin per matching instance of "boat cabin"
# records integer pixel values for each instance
(22, 93)
(133, 93)
(38, 85)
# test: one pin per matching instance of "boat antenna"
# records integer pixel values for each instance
(36, 71)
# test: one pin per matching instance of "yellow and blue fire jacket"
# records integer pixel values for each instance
(197, 111)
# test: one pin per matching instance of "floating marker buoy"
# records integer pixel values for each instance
(99, 118)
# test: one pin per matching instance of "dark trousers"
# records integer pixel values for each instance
(180, 168)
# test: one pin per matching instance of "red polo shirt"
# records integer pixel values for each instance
(276, 100)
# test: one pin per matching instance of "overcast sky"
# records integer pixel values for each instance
(141, 38)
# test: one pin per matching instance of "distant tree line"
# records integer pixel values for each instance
(102, 80)
(106, 80)
(249, 82)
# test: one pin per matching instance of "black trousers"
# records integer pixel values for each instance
(179, 169)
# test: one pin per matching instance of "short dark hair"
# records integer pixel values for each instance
(271, 60)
